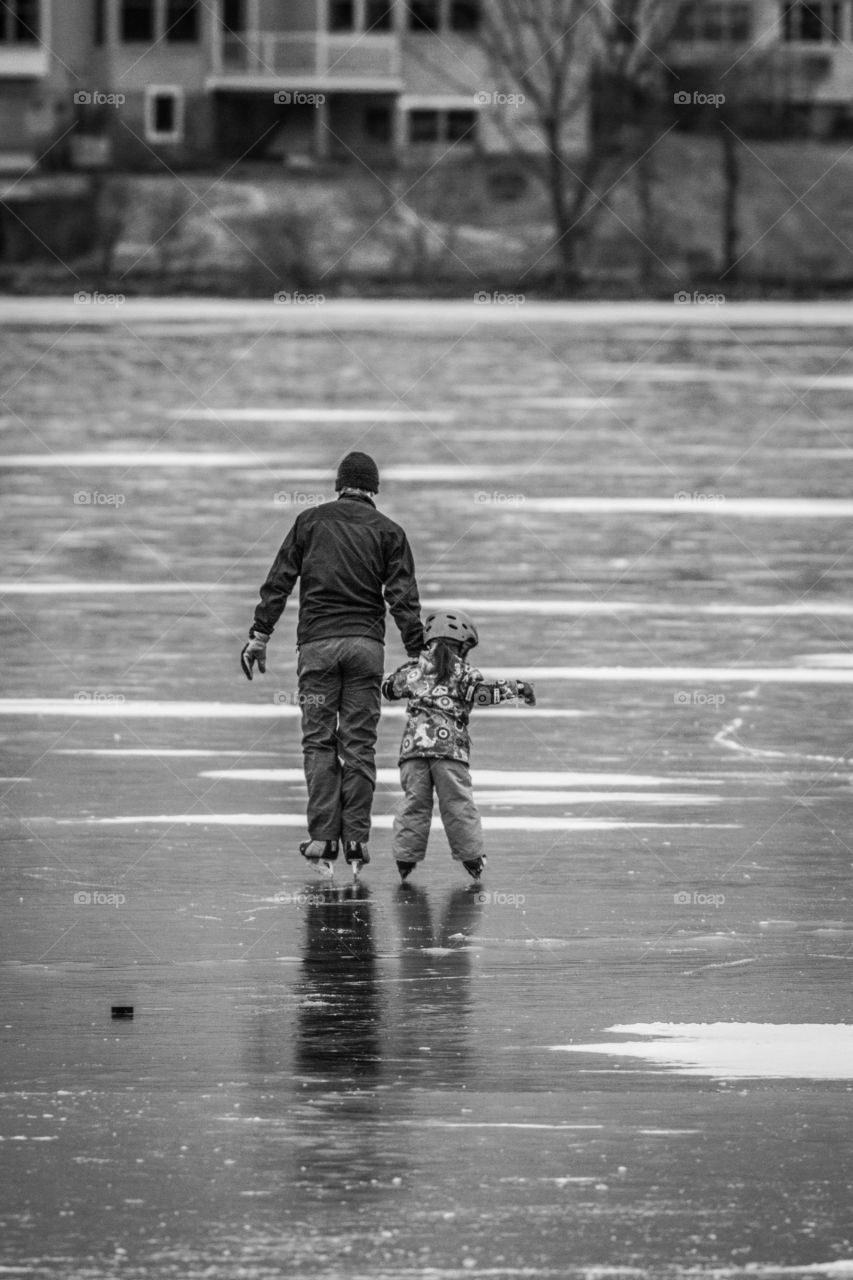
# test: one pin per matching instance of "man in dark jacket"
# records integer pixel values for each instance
(351, 561)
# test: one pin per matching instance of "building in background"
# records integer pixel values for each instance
(793, 56)
(142, 83)
(186, 82)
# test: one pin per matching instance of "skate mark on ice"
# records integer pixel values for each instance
(726, 738)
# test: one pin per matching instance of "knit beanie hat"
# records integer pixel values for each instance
(358, 471)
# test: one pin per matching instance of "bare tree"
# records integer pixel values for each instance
(563, 56)
(748, 94)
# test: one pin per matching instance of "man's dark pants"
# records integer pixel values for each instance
(340, 692)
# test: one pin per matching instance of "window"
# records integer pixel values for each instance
(377, 123)
(423, 126)
(182, 21)
(718, 21)
(378, 15)
(19, 22)
(137, 20)
(460, 124)
(342, 15)
(626, 20)
(740, 24)
(164, 113)
(442, 125)
(465, 15)
(424, 15)
(817, 21)
(234, 15)
(445, 15)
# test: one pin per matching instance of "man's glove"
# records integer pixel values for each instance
(254, 651)
(527, 693)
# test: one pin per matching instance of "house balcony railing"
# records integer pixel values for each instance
(324, 57)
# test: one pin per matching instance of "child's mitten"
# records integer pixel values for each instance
(527, 692)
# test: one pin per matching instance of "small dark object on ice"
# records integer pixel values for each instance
(405, 869)
(122, 1011)
(475, 867)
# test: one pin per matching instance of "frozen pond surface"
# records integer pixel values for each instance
(628, 1054)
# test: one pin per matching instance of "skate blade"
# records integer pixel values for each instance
(325, 868)
(356, 868)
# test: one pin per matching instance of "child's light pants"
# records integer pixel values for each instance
(451, 782)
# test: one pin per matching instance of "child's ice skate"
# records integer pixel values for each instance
(356, 855)
(405, 869)
(475, 867)
(321, 854)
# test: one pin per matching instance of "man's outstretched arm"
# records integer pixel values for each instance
(401, 595)
(280, 582)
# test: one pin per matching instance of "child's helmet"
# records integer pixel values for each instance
(451, 625)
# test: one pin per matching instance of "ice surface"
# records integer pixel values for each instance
(333, 1081)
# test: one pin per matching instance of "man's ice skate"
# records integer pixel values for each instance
(321, 854)
(356, 855)
(405, 869)
(475, 867)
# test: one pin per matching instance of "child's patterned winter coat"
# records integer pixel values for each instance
(437, 723)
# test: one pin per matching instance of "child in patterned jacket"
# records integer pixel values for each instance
(442, 688)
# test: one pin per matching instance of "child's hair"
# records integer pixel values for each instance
(444, 653)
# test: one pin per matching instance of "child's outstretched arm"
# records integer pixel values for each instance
(480, 692)
(395, 686)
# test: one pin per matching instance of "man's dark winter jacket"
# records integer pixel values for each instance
(346, 554)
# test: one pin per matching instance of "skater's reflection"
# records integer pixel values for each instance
(430, 1026)
(338, 1020)
(318, 1067)
(339, 1053)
